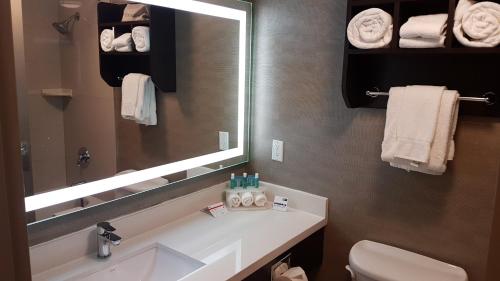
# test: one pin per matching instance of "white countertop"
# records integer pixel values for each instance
(232, 246)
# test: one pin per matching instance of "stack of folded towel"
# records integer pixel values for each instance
(135, 12)
(424, 32)
(370, 29)
(138, 99)
(477, 24)
(420, 127)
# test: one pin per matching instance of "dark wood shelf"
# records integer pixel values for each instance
(159, 62)
(429, 51)
(124, 23)
(114, 53)
(370, 2)
(471, 71)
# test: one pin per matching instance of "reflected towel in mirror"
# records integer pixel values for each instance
(138, 99)
(140, 35)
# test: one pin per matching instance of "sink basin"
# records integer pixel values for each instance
(154, 263)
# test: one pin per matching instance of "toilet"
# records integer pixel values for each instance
(372, 261)
(138, 187)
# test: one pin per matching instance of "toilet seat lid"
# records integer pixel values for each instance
(386, 263)
(143, 186)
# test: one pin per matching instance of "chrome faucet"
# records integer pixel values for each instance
(106, 238)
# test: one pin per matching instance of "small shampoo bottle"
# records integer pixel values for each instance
(256, 180)
(244, 181)
(232, 181)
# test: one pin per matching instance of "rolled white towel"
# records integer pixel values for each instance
(106, 38)
(260, 199)
(371, 28)
(247, 199)
(123, 43)
(421, 42)
(427, 26)
(140, 35)
(477, 24)
(233, 200)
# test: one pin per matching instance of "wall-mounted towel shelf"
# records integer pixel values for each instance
(159, 62)
(471, 71)
(489, 98)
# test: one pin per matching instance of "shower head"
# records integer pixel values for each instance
(64, 27)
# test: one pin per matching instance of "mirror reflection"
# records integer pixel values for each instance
(112, 88)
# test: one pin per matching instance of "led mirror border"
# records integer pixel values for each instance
(55, 197)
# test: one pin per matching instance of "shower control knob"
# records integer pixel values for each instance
(83, 157)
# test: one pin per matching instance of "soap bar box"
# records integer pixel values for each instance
(254, 191)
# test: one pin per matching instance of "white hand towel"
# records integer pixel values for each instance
(477, 24)
(145, 111)
(130, 88)
(135, 12)
(260, 199)
(411, 122)
(247, 199)
(233, 200)
(442, 148)
(371, 28)
(293, 274)
(140, 35)
(123, 43)
(138, 99)
(428, 26)
(107, 36)
(422, 42)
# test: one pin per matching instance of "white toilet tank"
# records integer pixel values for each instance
(371, 261)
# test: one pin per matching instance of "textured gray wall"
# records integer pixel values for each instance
(335, 152)
(205, 101)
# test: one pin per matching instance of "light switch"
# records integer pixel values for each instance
(277, 151)
(223, 140)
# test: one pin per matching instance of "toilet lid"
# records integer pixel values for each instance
(145, 185)
(386, 263)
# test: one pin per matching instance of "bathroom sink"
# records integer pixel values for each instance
(153, 263)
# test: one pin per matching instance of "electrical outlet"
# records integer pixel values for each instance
(277, 151)
(223, 140)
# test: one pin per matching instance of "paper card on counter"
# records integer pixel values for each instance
(280, 203)
(217, 209)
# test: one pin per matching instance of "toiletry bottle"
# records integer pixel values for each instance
(256, 184)
(244, 181)
(251, 181)
(232, 182)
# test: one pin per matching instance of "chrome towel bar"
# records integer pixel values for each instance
(489, 98)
